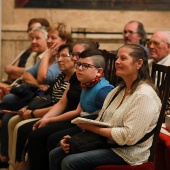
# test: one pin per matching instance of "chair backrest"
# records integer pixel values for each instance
(110, 70)
(161, 76)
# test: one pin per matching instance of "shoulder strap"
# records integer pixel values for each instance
(115, 95)
(147, 136)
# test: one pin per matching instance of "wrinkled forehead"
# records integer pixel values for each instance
(131, 26)
(160, 36)
(37, 33)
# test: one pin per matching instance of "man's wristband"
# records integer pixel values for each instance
(32, 114)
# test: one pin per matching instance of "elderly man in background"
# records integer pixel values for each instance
(159, 47)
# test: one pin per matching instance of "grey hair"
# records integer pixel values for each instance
(41, 29)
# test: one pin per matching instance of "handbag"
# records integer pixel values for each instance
(24, 89)
(86, 141)
(40, 102)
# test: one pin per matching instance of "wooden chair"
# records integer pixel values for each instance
(161, 76)
(110, 71)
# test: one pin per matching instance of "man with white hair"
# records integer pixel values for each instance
(159, 47)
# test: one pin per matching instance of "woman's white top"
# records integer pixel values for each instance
(136, 116)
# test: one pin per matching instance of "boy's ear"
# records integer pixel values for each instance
(100, 72)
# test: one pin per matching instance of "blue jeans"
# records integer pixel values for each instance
(13, 102)
(58, 159)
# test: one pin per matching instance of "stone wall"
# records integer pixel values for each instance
(104, 26)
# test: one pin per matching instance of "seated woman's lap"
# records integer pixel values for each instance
(84, 160)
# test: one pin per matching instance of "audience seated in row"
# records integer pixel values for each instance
(133, 34)
(66, 130)
(24, 60)
(25, 129)
(12, 101)
(42, 74)
(132, 114)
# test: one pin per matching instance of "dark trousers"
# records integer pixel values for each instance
(23, 133)
(4, 133)
(37, 144)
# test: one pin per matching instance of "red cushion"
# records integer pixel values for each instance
(145, 166)
(163, 153)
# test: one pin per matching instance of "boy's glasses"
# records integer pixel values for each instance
(84, 66)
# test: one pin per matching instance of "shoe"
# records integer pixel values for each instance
(4, 162)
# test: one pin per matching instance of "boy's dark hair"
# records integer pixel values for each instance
(98, 59)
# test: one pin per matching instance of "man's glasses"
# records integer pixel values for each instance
(155, 43)
(129, 32)
(76, 55)
(84, 66)
(62, 56)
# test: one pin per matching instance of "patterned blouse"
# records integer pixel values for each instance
(58, 88)
(136, 116)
